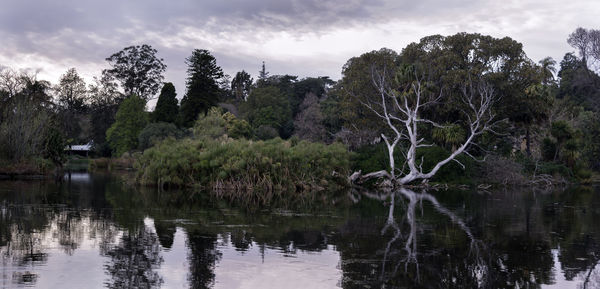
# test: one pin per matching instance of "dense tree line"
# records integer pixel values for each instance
(546, 111)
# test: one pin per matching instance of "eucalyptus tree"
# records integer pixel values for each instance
(71, 91)
(399, 98)
(105, 99)
(587, 43)
(356, 84)
(241, 85)
(138, 69)
(73, 104)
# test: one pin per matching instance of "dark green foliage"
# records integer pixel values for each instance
(331, 111)
(552, 168)
(130, 120)
(309, 85)
(25, 120)
(54, 148)
(166, 109)
(105, 99)
(451, 60)
(237, 128)
(372, 158)
(548, 149)
(241, 85)
(268, 106)
(451, 172)
(263, 76)
(202, 86)
(265, 132)
(356, 87)
(450, 135)
(590, 126)
(157, 131)
(138, 69)
(262, 169)
(71, 91)
(216, 124)
(578, 84)
(562, 132)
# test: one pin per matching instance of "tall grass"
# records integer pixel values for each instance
(250, 170)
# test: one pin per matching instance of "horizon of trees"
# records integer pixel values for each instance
(551, 108)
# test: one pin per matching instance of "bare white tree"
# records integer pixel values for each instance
(401, 109)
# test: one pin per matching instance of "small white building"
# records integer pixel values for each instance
(80, 149)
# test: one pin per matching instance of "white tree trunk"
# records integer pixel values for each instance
(402, 117)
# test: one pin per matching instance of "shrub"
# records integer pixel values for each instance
(498, 169)
(370, 158)
(211, 125)
(246, 169)
(265, 132)
(216, 124)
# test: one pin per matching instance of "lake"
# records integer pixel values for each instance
(93, 231)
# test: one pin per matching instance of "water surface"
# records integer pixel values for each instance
(95, 232)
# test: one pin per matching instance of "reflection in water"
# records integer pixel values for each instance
(401, 251)
(93, 232)
(202, 258)
(134, 260)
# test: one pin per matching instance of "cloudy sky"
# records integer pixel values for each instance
(299, 37)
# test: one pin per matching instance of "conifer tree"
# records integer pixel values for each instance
(202, 86)
(166, 107)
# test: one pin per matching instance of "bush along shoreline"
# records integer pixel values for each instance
(259, 171)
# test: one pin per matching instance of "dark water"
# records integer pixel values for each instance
(94, 232)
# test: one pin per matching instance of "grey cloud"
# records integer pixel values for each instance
(87, 32)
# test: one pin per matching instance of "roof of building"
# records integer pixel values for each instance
(84, 147)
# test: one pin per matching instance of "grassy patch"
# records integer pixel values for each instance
(256, 170)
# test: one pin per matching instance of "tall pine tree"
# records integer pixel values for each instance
(166, 107)
(202, 85)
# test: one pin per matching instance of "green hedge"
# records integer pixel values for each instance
(240, 165)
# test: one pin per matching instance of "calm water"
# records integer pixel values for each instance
(94, 232)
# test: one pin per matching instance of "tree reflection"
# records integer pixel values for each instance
(505, 240)
(134, 260)
(203, 256)
(402, 262)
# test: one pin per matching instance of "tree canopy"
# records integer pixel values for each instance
(268, 106)
(241, 85)
(71, 91)
(166, 109)
(202, 85)
(130, 120)
(138, 70)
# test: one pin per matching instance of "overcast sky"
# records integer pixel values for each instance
(298, 37)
